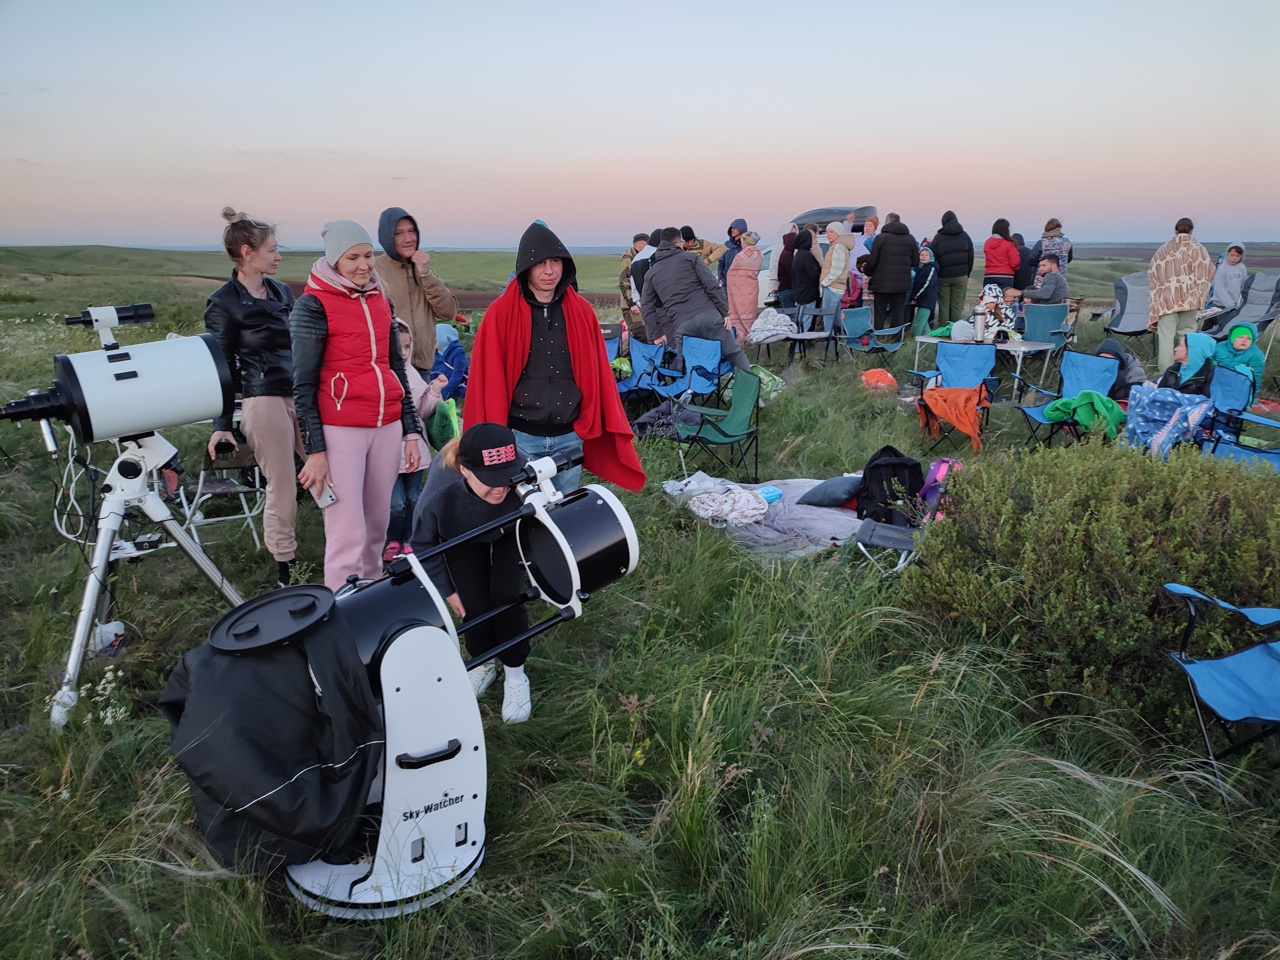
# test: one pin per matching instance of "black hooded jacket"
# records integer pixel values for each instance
(805, 270)
(546, 401)
(952, 248)
(892, 256)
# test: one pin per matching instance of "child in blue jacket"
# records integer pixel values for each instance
(451, 362)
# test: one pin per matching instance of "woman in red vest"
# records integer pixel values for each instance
(354, 407)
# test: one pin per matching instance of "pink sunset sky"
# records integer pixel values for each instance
(134, 123)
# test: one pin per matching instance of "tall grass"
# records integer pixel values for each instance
(729, 757)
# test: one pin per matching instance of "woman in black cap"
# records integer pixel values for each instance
(469, 484)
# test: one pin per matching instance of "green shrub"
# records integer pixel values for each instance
(1059, 554)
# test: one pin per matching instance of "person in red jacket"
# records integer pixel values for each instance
(1002, 255)
(539, 366)
(354, 407)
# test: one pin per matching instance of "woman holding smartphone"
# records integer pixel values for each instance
(354, 407)
(249, 317)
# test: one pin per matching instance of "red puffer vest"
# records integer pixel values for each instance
(357, 387)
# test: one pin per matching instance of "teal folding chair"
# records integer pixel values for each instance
(1080, 372)
(861, 337)
(965, 365)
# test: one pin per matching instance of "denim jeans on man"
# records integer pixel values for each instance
(536, 447)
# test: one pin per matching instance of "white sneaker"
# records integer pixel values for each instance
(517, 704)
(482, 677)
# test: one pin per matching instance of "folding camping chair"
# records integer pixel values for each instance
(965, 366)
(861, 337)
(1129, 314)
(227, 490)
(1080, 372)
(1047, 323)
(612, 333)
(646, 358)
(1259, 305)
(811, 328)
(1229, 445)
(1231, 393)
(889, 541)
(701, 376)
(735, 430)
(1242, 687)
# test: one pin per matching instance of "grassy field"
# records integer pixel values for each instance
(729, 757)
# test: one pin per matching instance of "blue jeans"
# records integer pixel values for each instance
(830, 299)
(535, 447)
(404, 498)
(786, 299)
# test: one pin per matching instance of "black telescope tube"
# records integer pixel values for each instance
(37, 406)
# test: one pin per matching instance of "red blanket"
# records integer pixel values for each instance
(498, 358)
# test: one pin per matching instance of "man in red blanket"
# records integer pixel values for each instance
(539, 366)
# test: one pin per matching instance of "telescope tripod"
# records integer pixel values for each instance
(126, 486)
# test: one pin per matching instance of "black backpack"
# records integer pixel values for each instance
(890, 481)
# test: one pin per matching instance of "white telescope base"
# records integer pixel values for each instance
(431, 839)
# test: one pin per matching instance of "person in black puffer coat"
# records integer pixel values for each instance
(953, 249)
(893, 256)
(805, 271)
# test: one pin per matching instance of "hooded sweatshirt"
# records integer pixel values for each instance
(1194, 375)
(507, 345)
(924, 285)
(784, 260)
(1228, 281)
(417, 298)
(451, 362)
(732, 247)
(805, 271)
(1250, 361)
(953, 248)
(1131, 372)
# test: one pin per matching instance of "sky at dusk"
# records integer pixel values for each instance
(134, 122)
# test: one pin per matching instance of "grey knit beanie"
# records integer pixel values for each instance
(340, 236)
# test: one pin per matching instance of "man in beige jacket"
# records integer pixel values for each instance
(418, 296)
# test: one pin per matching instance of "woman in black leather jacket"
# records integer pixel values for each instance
(249, 317)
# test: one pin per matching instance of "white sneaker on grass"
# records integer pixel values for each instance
(517, 703)
(482, 677)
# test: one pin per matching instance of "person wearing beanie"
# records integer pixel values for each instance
(632, 321)
(469, 484)
(1239, 351)
(707, 251)
(417, 295)
(249, 317)
(1179, 276)
(1130, 373)
(1053, 243)
(539, 366)
(351, 391)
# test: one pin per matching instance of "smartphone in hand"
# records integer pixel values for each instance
(325, 497)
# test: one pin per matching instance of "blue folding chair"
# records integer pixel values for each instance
(1230, 445)
(1080, 372)
(611, 347)
(1231, 393)
(1239, 688)
(646, 358)
(701, 376)
(811, 327)
(965, 365)
(861, 337)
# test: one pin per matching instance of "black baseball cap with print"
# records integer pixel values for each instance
(489, 451)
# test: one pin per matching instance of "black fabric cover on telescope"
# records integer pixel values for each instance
(280, 766)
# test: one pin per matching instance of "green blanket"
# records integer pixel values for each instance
(1090, 410)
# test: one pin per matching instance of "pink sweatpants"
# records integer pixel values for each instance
(271, 427)
(363, 465)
